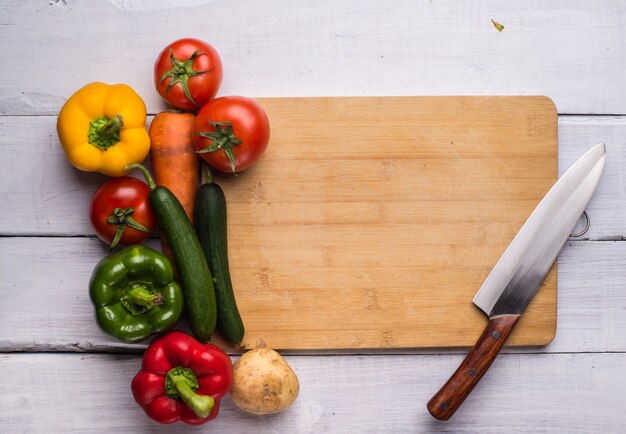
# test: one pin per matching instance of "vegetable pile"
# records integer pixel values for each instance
(140, 293)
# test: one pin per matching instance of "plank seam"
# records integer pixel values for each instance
(607, 239)
(565, 114)
(319, 353)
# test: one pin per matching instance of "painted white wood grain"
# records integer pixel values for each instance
(45, 301)
(44, 195)
(572, 51)
(607, 209)
(41, 188)
(591, 299)
(580, 393)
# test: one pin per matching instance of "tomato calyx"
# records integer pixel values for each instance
(181, 72)
(122, 218)
(223, 138)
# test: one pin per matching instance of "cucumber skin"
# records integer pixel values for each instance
(210, 222)
(193, 270)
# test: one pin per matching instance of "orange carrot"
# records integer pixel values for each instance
(174, 161)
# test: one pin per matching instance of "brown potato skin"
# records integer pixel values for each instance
(263, 382)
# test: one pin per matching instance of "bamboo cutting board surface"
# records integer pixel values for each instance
(370, 222)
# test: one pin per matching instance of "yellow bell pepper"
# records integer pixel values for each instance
(102, 128)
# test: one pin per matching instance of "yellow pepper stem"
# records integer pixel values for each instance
(104, 132)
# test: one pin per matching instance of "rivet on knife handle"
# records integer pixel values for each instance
(466, 377)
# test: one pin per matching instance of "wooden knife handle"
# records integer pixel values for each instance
(466, 377)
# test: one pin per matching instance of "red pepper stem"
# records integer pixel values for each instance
(182, 383)
(200, 404)
(145, 172)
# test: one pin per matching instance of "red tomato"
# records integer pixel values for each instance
(120, 206)
(231, 133)
(188, 73)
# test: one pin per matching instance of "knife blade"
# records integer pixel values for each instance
(519, 272)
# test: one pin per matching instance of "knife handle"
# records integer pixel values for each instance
(450, 397)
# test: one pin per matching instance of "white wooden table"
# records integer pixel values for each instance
(59, 373)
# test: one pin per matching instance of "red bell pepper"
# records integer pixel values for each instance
(182, 379)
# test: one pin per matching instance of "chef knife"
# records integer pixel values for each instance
(519, 272)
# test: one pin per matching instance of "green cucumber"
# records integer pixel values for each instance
(194, 272)
(210, 222)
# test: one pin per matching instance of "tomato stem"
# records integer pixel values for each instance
(181, 72)
(122, 218)
(223, 138)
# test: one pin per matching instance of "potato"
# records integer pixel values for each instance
(263, 382)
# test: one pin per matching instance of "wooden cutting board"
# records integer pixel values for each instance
(370, 222)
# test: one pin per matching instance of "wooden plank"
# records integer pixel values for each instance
(49, 197)
(49, 310)
(521, 393)
(279, 48)
(397, 279)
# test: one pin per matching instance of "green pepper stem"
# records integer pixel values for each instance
(182, 383)
(145, 172)
(142, 296)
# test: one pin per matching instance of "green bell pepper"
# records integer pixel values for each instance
(135, 294)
